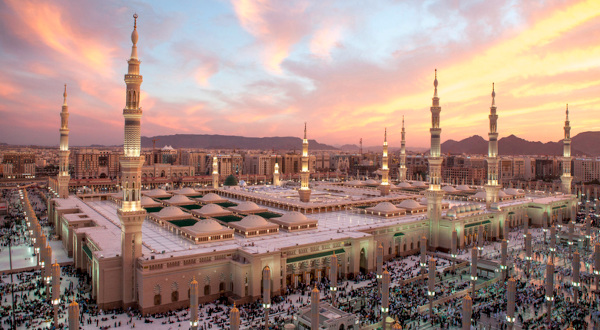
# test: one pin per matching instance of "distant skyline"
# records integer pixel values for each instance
(263, 67)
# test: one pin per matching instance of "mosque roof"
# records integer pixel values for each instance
(404, 185)
(449, 189)
(206, 226)
(386, 207)
(211, 197)
(410, 204)
(179, 199)
(171, 212)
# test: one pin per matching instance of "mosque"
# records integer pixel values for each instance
(146, 248)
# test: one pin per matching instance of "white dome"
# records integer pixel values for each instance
(480, 195)
(206, 226)
(186, 191)
(211, 208)
(156, 192)
(292, 217)
(404, 185)
(419, 184)
(179, 199)
(423, 201)
(501, 194)
(448, 189)
(511, 191)
(384, 207)
(451, 213)
(247, 206)
(463, 187)
(170, 212)
(354, 183)
(211, 197)
(461, 209)
(371, 182)
(147, 201)
(410, 204)
(253, 220)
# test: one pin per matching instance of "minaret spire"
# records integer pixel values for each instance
(434, 194)
(304, 191)
(131, 214)
(492, 187)
(402, 165)
(566, 177)
(63, 154)
(65, 96)
(385, 171)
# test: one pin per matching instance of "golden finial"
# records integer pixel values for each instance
(567, 111)
(385, 135)
(435, 84)
(65, 95)
(135, 16)
(305, 130)
(493, 95)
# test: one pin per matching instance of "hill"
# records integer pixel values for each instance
(583, 144)
(232, 142)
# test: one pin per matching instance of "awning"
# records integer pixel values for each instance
(478, 223)
(314, 256)
(398, 234)
(87, 251)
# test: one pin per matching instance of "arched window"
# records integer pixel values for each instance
(157, 299)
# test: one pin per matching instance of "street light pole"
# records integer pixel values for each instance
(12, 282)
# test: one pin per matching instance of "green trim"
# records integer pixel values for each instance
(511, 212)
(191, 206)
(268, 215)
(87, 251)
(183, 222)
(478, 223)
(314, 256)
(153, 209)
(363, 206)
(559, 207)
(162, 198)
(226, 204)
(196, 196)
(398, 234)
(228, 218)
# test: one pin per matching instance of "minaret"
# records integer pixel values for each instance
(63, 153)
(276, 175)
(434, 194)
(304, 191)
(385, 171)
(492, 187)
(402, 166)
(215, 173)
(131, 212)
(566, 177)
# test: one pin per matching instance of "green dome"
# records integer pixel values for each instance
(231, 181)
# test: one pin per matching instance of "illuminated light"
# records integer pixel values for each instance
(56, 301)
(385, 309)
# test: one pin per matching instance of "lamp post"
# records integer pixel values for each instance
(12, 282)
(510, 303)
(504, 251)
(333, 278)
(467, 307)
(473, 270)
(423, 263)
(194, 304)
(528, 252)
(234, 318)
(549, 291)
(379, 260)
(431, 286)
(314, 309)
(267, 294)
(55, 291)
(576, 265)
(385, 298)
(453, 247)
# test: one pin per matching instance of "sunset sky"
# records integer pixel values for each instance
(263, 67)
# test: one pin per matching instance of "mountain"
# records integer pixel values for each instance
(232, 142)
(513, 145)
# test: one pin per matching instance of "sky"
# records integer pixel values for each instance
(348, 68)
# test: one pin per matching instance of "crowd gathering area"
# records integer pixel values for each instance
(408, 298)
